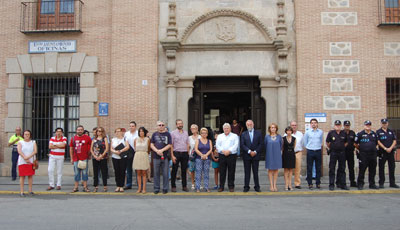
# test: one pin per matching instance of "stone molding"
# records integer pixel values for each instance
(339, 18)
(341, 84)
(226, 12)
(342, 102)
(49, 64)
(340, 48)
(392, 49)
(341, 66)
(338, 3)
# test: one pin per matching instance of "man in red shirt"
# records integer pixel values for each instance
(57, 145)
(79, 150)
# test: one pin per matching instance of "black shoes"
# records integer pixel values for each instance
(164, 191)
(360, 187)
(246, 190)
(257, 190)
(156, 192)
(373, 187)
(381, 186)
(353, 184)
(331, 187)
(310, 186)
(344, 188)
(298, 187)
(394, 186)
(318, 186)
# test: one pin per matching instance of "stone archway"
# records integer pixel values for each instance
(239, 45)
(47, 64)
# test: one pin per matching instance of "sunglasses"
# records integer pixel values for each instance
(161, 125)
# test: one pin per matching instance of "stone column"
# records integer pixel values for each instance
(171, 104)
(170, 45)
(282, 105)
(270, 94)
(184, 91)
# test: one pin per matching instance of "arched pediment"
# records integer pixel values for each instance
(226, 26)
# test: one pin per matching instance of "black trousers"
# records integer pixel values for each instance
(350, 164)
(251, 164)
(119, 169)
(367, 160)
(389, 157)
(336, 156)
(227, 163)
(182, 158)
(102, 164)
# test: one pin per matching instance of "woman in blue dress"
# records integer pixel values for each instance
(273, 155)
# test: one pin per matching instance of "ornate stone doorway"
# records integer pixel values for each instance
(217, 100)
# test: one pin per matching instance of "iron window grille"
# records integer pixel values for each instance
(49, 103)
(393, 108)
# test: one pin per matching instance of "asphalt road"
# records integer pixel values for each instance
(319, 211)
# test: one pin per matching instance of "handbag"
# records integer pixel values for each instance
(130, 153)
(192, 155)
(123, 154)
(35, 163)
(82, 164)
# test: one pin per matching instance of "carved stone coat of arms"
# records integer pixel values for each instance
(226, 29)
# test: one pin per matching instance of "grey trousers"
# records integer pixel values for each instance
(161, 165)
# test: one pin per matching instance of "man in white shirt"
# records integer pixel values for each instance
(130, 137)
(227, 147)
(56, 157)
(298, 149)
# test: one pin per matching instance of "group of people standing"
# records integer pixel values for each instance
(193, 154)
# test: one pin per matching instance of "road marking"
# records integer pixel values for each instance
(351, 192)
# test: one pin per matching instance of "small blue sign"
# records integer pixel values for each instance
(315, 114)
(321, 117)
(103, 109)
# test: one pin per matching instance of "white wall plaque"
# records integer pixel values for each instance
(62, 46)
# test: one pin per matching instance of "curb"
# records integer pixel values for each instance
(203, 194)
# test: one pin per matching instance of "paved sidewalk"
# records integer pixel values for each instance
(40, 183)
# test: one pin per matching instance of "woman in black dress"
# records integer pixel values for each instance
(288, 157)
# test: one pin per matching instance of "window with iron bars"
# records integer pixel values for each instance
(393, 109)
(49, 103)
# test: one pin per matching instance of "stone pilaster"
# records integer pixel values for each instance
(170, 45)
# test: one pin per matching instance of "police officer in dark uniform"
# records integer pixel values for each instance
(336, 141)
(350, 152)
(366, 142)
(387, 144)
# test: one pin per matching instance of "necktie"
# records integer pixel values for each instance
(251, 136)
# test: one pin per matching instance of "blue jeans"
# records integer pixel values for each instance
(129, 172)
(14, 161)
(314, 156)
(78, 172)
(161, 166)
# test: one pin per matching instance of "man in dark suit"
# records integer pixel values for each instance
(251, 145)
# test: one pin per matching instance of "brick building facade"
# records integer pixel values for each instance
(206, 62)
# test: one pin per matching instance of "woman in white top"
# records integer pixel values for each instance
(119, 162)
(192, 141)
(27, 149)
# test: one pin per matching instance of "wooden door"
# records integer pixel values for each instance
(56, 14)
(226, 85)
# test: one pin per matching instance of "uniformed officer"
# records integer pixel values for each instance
(366, 142)
(336, 141)
(387, 144)
(350, 152)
